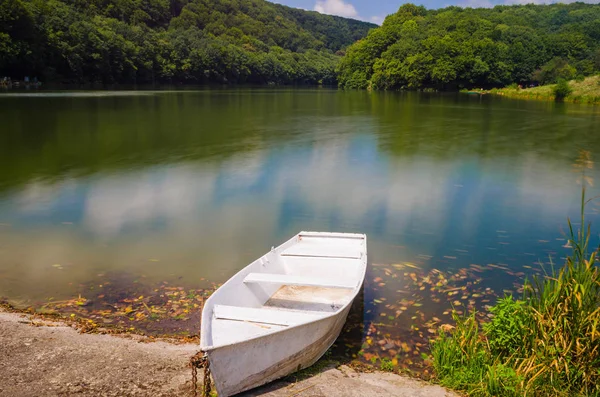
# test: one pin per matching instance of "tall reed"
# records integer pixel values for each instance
(564, 353)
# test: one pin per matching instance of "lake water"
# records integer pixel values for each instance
(187, 187)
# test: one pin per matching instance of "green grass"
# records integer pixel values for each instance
(387, 365)
(584, 91)
(545, 344)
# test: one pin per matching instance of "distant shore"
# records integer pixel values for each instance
(586, 91)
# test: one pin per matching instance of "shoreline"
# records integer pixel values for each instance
(396, 338)
(585, 92)
(43, 357)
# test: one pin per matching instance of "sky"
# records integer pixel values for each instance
(376, 10)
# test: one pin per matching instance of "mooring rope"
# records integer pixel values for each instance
(200, 360)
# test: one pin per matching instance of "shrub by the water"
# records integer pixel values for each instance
(562, 90)
(548, 343)
(509, 327)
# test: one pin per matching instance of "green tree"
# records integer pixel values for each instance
(199, 41)
(454, 47)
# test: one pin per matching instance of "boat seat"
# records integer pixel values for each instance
(263, 315)
(303, 281)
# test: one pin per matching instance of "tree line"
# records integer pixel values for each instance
(453, 47)
(257, 42)
(159, 41)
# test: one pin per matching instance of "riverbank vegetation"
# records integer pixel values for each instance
(579, 91)
(547, 343)
(166, 41)
(454, 48)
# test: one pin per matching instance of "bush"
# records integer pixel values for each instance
(562, 90)
(554, 70)
(509, 327)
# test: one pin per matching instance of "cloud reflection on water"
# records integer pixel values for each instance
(374, 169)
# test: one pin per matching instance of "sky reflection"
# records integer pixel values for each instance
(441, 203)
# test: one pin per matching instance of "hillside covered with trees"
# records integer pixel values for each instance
(454, 48)
(154, 41)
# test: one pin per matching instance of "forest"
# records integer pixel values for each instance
(171, 41)
(454, 48)
(258, 42)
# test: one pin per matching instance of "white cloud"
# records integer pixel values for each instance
(377, 19)
(477, 4)
(336, 7)
(345, 9)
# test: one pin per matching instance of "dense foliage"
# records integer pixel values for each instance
(127, 41)
(454, 47)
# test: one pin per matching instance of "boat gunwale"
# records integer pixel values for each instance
(233, 279)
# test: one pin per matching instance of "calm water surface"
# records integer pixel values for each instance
(190, 186)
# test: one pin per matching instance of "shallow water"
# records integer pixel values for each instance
(187, 187)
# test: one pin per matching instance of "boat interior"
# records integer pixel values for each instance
(307, 278)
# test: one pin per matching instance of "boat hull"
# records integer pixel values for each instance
(249, 364)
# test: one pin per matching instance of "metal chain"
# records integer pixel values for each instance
(200, 360)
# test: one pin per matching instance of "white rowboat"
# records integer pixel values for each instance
(283, 311)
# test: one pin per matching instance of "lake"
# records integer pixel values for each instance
(172, 192)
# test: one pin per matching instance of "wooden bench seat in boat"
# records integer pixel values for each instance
(263, 315)
(302, 281)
